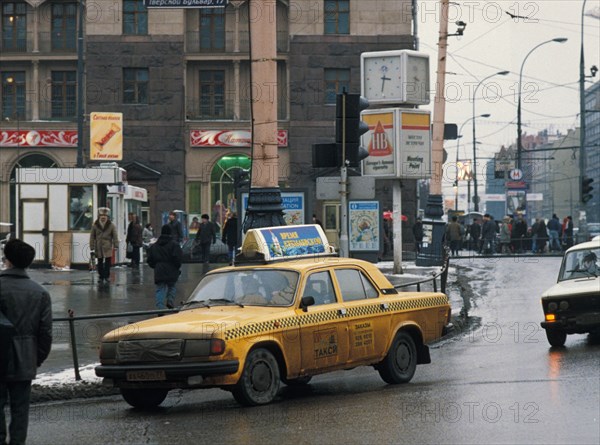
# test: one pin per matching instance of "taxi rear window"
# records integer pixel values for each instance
(354, 285)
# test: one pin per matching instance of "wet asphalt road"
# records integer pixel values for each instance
(498, 383)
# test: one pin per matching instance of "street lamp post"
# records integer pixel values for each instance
(474, 167)
(519, 132)
(486, 115)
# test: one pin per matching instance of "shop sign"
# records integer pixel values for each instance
(229, 138)
(38, 138)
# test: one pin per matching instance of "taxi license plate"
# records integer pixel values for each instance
(144, 376)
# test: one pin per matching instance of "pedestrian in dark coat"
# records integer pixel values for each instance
(175, 227)
(134, 238)
(488, 234)
(475, 234)
(103, 239)
(205, 236)
(418, 233)
(568, 232)
(520, 233)
(542, 236)
(229, 234)
(28, 307)
(164, 256)
(453, 235)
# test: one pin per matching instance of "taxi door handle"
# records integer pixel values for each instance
(342, 311)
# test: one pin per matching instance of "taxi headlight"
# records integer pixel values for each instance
(552, 306)
(564, 305)
(204, 348)
(108, 351)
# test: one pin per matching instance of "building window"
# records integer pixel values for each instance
(13, 95)
(212, 29)
(194, 197)
(135, 17)
(14, 26)
(135, 85)
(64, 26)
(337, 17)
(336, 80)
(64, 93)
(212, 94)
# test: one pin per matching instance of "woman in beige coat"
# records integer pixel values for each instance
(103, 238)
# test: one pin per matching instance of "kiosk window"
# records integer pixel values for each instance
(81, 213)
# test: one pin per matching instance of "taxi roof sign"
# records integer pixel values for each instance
(285, 242)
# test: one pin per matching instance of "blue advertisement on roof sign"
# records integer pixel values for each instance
(293, 241)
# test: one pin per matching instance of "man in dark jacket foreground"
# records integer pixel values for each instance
(27, 306)
(164, 256)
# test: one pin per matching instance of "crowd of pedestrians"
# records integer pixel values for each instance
(509, 236)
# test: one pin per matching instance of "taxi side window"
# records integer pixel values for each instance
(354, 285)
(319, 286)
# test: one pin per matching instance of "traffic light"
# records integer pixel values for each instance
(241, 178)
(586, 189)
(324, 155)
(349, 128)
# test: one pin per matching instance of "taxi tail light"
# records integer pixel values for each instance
(217, 346)
(550, 317)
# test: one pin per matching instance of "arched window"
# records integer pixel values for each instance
(222, 191)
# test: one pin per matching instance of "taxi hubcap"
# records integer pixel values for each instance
(261, 377)
(402, 356)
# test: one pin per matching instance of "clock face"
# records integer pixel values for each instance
(381, 78)
(417, 80)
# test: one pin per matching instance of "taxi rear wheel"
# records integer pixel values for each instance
(400, 363)
(260, 380)
(144, 398)
(556, 337)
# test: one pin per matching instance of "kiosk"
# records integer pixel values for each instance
(56, 208)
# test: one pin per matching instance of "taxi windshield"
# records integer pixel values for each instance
(581, 264)
(259, 287)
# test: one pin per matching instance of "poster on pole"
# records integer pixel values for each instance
(381, 143)
(364, 229)
(415, 145)
(106, 136)
(516, 202)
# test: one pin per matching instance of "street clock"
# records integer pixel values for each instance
(395, 77)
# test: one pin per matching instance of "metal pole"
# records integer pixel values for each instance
(344, 244)
(519, 131)
(80, 89)
(474, 167)
(582, 163)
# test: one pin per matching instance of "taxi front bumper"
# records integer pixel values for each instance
(172, 371)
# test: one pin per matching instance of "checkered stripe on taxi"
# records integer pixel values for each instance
(332, 315)
(260, 328)
(418, 303)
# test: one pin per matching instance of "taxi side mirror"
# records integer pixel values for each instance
(305, 302)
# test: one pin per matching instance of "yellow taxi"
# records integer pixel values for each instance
(288, 310)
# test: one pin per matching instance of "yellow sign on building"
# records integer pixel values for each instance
(106, 136)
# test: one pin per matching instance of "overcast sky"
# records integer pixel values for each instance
(492, 42)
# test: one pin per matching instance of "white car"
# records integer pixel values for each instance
(572, 305)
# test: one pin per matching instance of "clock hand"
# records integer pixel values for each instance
(383, 79)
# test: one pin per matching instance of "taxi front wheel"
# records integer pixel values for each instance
(400, 363)
(144, 398)
(260, 380)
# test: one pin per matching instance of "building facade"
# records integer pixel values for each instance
(181, 78)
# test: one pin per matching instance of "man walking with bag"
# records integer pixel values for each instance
(27, 306)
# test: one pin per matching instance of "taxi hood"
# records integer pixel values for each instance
(196, 323)
(569, 288)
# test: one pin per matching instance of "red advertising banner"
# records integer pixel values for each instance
(40, 138)
(229, 138)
